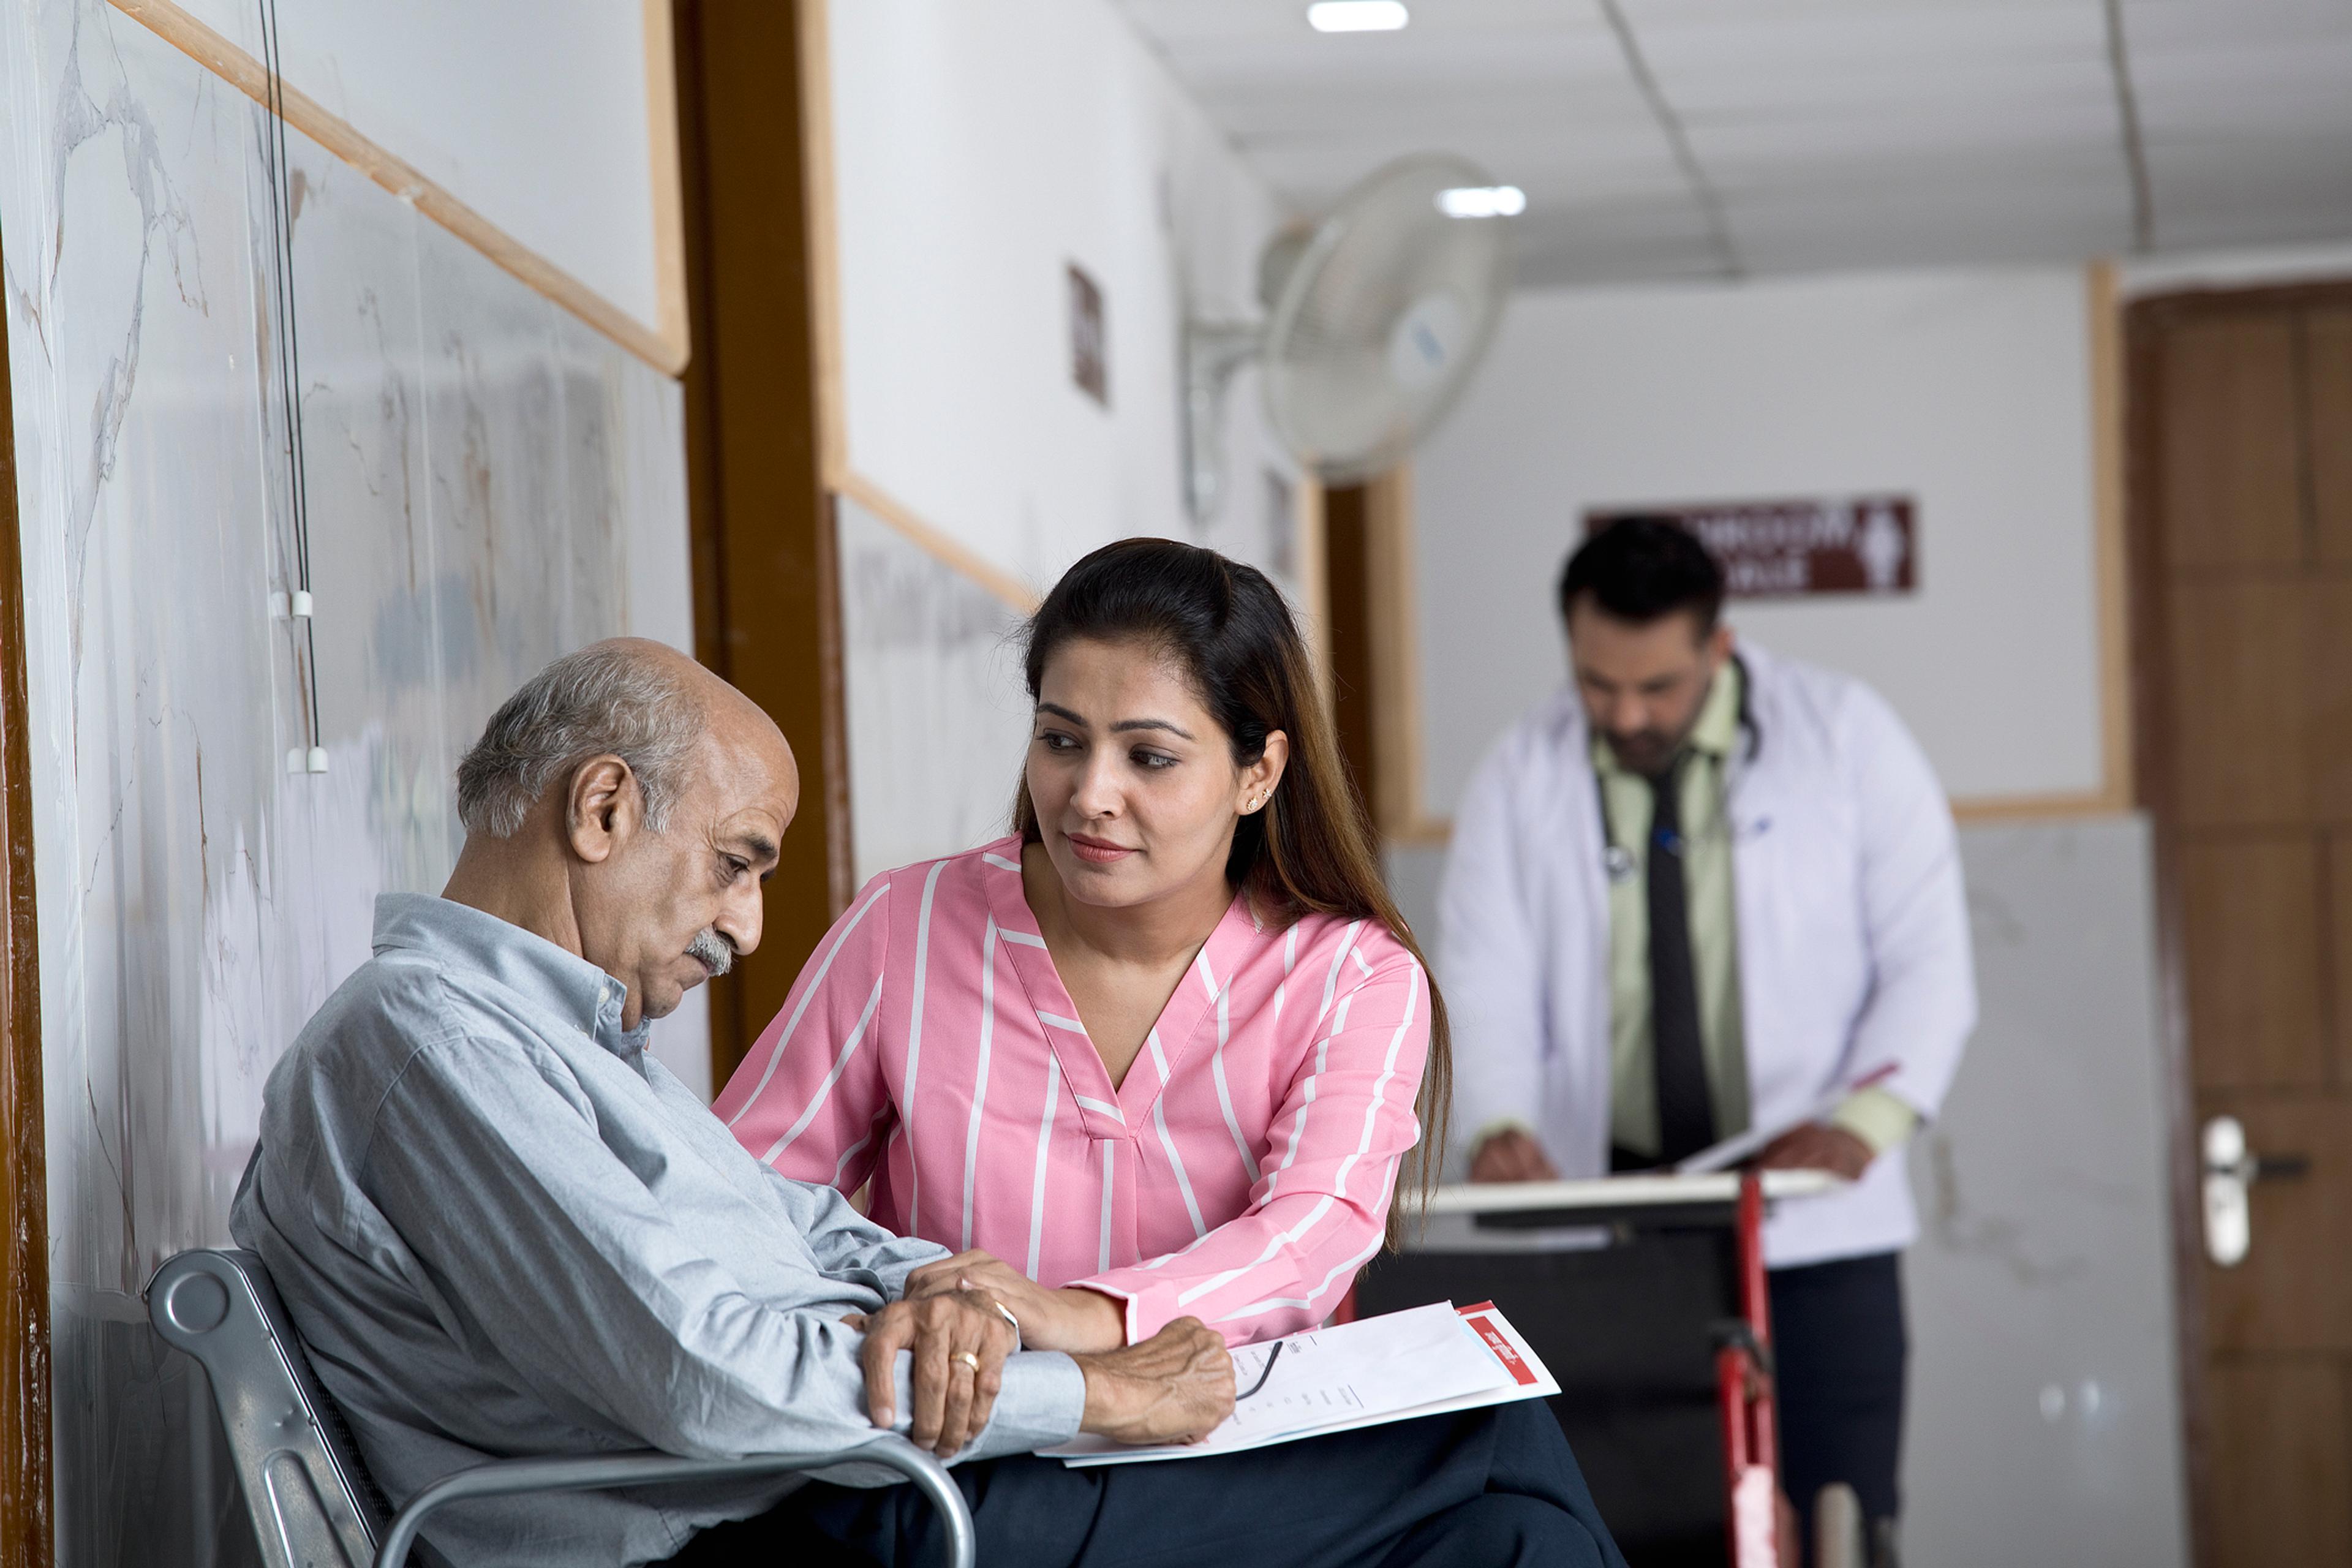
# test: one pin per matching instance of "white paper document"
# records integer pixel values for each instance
(1424, 1361)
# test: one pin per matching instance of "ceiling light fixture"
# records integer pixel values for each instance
(1357, 15)
(1483, 201)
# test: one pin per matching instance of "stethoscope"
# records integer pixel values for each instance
(1617, 860)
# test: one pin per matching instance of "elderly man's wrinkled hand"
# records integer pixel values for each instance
(1173, 1387)
(959, 1341)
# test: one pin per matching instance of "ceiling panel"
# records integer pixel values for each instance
(1828, 133)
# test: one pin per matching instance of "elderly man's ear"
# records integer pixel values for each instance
(603, 807)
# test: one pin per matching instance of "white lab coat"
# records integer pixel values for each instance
(1853, 931)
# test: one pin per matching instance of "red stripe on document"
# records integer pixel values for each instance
(1503, 1352)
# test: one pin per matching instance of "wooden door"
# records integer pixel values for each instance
(2241, 449)
(766, 612)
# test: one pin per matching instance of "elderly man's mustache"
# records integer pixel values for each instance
(716, 952)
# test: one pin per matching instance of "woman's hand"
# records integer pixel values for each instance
(960, 1343)
(1074, 1320)
(1174, 1387)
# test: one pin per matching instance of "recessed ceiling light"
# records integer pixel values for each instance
(1358, 16)
(1483, 201)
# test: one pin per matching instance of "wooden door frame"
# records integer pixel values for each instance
(1363, 553)
(2153, 732)
(26, 1531)
(767, 611)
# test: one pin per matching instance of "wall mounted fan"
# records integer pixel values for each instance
(1376, 317)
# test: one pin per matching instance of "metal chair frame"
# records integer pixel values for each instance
(313, 1504)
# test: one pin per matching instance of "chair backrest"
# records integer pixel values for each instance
(311, 1500)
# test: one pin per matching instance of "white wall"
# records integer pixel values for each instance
(532, 112)
(1970, 389)
(978, 150)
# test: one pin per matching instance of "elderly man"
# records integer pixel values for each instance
(502, 1228)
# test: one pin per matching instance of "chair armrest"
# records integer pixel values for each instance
(514, 1477)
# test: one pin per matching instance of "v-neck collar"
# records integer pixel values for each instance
(1200, 997)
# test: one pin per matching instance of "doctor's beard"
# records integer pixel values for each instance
(1648, 753)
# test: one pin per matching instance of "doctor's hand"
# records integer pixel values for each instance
(1511, 1155)
(1818, 1146)
(960, 1343)
(1072, 1318)
(1174, 1387)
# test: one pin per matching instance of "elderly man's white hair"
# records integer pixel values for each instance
(620, 698)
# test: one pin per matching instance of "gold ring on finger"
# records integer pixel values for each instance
(968, 1359)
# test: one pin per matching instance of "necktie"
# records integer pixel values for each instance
(1685, 1108)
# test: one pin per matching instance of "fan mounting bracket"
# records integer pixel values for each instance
(1213, 352)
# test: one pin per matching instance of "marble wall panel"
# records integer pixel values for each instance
(624, 426)
(2045, 1423)
(494, 443)
(939, 720)
(489, 484)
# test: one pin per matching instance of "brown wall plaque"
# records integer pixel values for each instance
(1786, 549)
(1089, 366)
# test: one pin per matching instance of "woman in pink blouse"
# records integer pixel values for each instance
(1163, 1052)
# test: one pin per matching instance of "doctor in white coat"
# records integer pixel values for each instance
(1701, 890)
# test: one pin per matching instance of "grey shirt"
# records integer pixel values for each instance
(502, 1228)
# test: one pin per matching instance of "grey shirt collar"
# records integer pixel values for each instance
(449, 933)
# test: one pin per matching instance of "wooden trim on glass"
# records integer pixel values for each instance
(26, 1535)
(819, 182)
(668, 197)
(833, 714)
(1420, 832)
(2109, 488)
(2107, 801)
(661, 347)
(941, 546)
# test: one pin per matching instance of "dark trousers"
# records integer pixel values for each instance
(1839, 1346)
(1488, 1489)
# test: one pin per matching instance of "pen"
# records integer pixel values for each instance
(1263, 1372)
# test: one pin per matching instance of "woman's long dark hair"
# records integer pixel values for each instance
(1310, 849)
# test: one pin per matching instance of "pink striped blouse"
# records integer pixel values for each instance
(1240, 1174)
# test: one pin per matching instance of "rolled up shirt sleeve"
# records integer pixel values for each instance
(547, 1251)
(1877, 1117)
(1320, 1207)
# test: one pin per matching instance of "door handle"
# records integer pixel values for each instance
(2229, 1169)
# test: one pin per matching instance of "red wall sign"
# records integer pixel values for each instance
(1785, 548)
